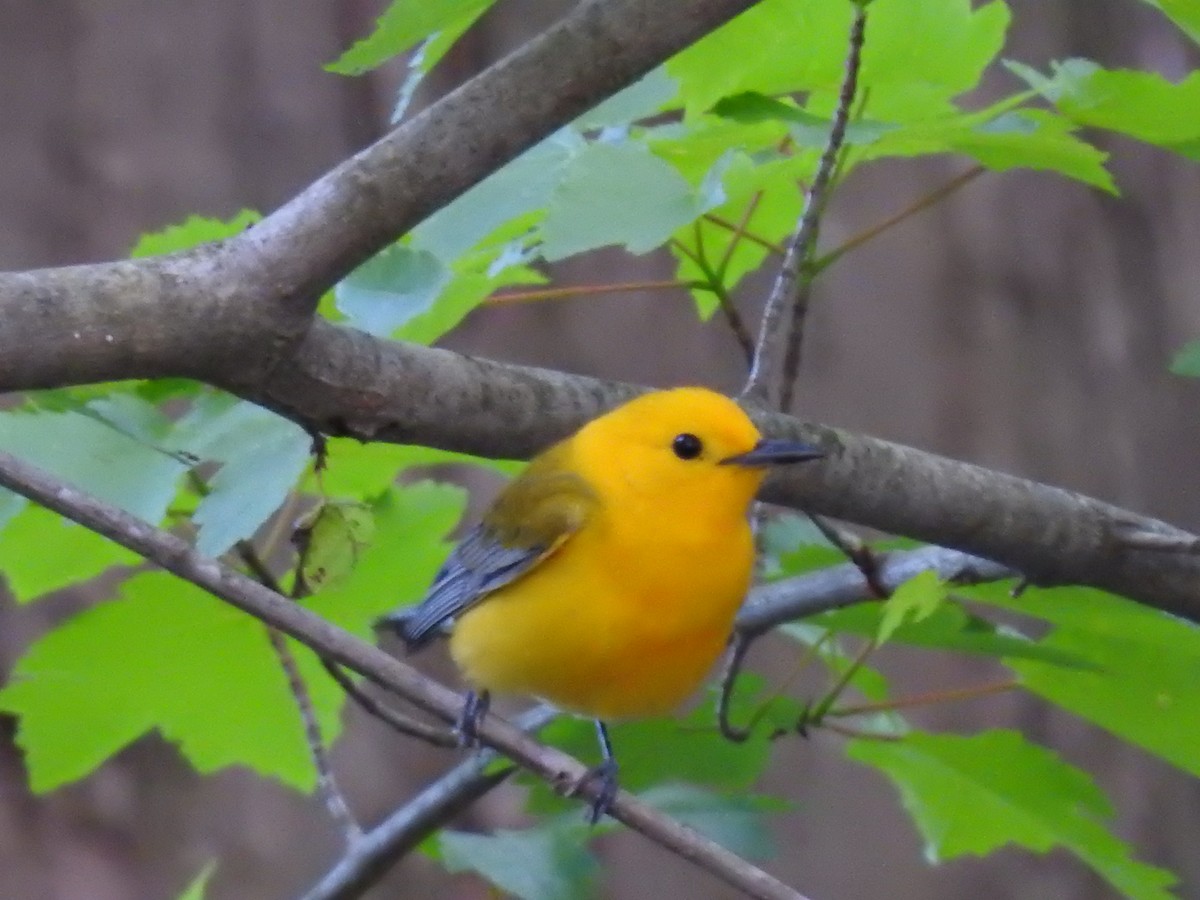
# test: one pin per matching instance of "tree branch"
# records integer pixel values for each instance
(557, 768)
(400, 832)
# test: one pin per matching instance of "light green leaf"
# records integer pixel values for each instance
(390, 289)
(96, 458)
(1142, 684)
(262, 456)
(1184, 13)
(336, 534)
(403, 24)
(642, 98)
(949, 627)
(42, 552)
(199, 886)
(408, 547)
(547, 863)
(781, 46)
(736, 822)
(167, 656)
(521, 188)
(913, 601)
(616, 194)
(164, 656)
(191, 232)
(806, 129)
(973, 795)
(1143, 105)
(363, 471)
(1187, 361)
(428, 55)
(461, 295)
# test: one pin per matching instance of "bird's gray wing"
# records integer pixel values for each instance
(479, 565)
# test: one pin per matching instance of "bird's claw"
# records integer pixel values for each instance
(474, 709)
(604, 776)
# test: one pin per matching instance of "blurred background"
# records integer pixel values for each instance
(1025, 324)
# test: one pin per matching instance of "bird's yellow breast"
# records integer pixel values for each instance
(626, 618)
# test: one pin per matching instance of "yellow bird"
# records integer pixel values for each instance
(605, 578)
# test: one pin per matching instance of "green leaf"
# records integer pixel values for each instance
(521, 188)
(913, 601)
(807, 129)
(459, 297)
(409, 546)
(1184, 13)
(642, 98)
(781, 46)
(390, 289)
(1187, 361)
(1142, 684)
(973, 795)
(96, 458)
(337, 534)
(32, 568)
(1143, 105)
(262, 456)
(364, 471)
(733, 821)
(616, 194)
(1024, 138)
(191, 232)
(546, 863)
(403, 24)
(919, 55)
(167, 656)
(199, 886)
(949, 627)
(164, 656)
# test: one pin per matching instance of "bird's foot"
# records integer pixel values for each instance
(604, 776)
(474, 709)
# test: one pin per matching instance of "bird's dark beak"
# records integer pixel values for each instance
(771, 452)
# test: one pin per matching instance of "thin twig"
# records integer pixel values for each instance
(857, 551)
(739, 232)
(739, 646)
(387, 843)
(777, 249)
(327, 787)
(176, 556)
(919, 205)
(584, 290)
(930, 699)
(712, 282)
(814, 206)
(793, 281)
(397, 721)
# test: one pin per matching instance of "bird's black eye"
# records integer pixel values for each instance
(687, 446)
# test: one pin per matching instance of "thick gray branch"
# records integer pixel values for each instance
(341, 381)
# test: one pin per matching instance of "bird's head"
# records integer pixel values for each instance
(684, 442)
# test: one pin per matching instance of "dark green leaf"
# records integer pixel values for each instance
(1187, 361)
(547, 863)
(733, 821)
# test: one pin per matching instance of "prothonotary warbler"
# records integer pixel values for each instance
(606, 576)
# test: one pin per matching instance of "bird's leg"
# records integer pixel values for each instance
(474, 709)
(605, 776)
